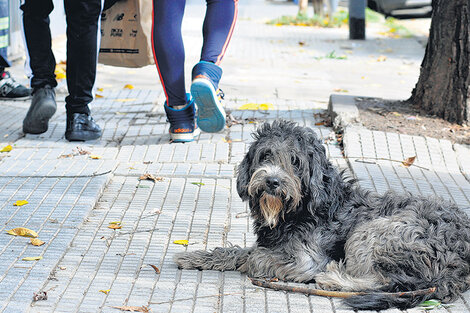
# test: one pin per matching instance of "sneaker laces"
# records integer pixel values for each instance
(8, 80)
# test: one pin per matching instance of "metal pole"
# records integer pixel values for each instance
(357, 19)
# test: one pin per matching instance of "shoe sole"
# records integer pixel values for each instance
(41, 118)
(210, 113)
(15, 99)
(187, 137)
(83, 136)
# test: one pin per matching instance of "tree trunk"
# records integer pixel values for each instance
(318, 7)
(303, 6)
(443, 84)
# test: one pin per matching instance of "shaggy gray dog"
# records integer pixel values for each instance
(315, 225)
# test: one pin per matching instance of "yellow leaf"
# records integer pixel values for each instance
(22, 231)
(99, 89)
(408, 162)
(181, 242)
(98, 96)
(381, 58)
(60, 76)
(125, 100)
(32, 258)
(37, 242)
(20, 203)
(105, 291)
(7, 148)
(115, 225)
(256, 106)
(128, 86)
(95, 157)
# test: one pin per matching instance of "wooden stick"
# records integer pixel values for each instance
(337, 294)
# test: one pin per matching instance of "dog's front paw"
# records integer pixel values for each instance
(184, 260)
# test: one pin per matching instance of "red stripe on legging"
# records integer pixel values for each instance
(224, 48)
(155, 55)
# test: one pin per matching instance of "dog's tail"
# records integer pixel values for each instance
(220, 259)
(381, 301)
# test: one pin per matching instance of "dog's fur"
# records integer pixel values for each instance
(315, 225)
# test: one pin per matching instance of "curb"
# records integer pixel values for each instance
(343, 111)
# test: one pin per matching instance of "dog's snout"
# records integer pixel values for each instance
(273, 182)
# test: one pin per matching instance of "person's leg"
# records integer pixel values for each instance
(168, 49)
(169, 56)
(218, 27)
(9, 88)
(42, 64)
(82, 54)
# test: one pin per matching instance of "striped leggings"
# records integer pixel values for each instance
(168, 46)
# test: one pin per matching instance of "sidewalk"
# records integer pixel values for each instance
(74, 198)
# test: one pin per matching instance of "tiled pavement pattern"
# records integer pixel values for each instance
(73, 198)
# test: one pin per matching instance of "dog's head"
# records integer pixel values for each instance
(284, 171)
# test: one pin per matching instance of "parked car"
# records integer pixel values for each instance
(399, 7)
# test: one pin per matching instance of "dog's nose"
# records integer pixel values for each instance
(272, 182)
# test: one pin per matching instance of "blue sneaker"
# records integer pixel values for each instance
(183, 127)
(205, 92)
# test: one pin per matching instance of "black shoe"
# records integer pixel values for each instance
(81, 127)
(43, 107)
(10, 89)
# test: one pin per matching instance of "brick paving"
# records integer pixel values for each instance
(73, 198)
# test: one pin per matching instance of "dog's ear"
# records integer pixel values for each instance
(243, 177)
(317, 166)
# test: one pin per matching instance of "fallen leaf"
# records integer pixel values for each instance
(105, 291)
(99, 89)
(319, 123)
(143, 309)
(340, 90)
(7, 148)
(381, 58)
(32, 258)
(430, 304)
(62, 268)
(128, 86)
(181, 242)
(115, 225)
(37, 242)
(95, 157)
(22, 231)
(42, 295)
(301, 43)
(98, 96)
(151, 177)
(408, 162)
(65, 156)
(82, 151)
(20, 203)
(256, 106)
(156, 269)
(125, 100)
(198, 184)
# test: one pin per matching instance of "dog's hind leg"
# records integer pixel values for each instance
(335, 277)
(220, 259)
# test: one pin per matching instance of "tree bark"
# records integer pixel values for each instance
(443, 84)
(318, 7)
(303, 7)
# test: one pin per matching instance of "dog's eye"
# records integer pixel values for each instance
(265, 156)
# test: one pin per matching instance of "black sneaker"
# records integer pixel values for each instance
(43, 107)
(10, 89)
(81, 127)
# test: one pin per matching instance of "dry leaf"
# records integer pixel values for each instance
(82, 151)
(148, 176)
(181, 242)
(115, 225)
(105, 291)
(256, 106)
(20, 203)
(143, 309)
(408, 162)
(65, 156)
(37, 242)
(32, 258)
(99, 89)
(42, 295)
(198, 184)
(22, 231)
(7, 148)
(381, 58)
(128, 86)
(95, 157)
(156, 269)
(319, 123)
(340, 90)
(98, 96)
(62, 268)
